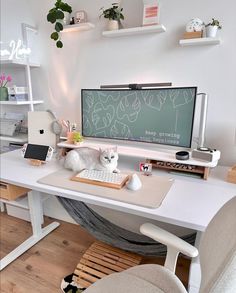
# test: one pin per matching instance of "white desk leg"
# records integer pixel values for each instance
(38, 232)
(195, 270)
(2, 206)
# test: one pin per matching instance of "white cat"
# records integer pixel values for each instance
(88, 158)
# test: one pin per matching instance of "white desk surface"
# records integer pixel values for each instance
(190, 203)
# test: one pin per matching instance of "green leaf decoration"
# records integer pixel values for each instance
(60, 14)
(58, 27)
(55, 36)
(54, 16)
(59, 44)
(51, 17)
(65, 7)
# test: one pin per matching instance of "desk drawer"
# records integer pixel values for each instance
(10, 191)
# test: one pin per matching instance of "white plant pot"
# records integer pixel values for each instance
(113, 25)
(211, 31)
(66, 20)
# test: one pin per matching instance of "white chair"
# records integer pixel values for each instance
(217, 259)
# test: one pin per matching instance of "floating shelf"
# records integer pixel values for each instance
(78, 27)
(200, 42)
(135, 31)
(18, 63)
(18, 138)
(12, 103)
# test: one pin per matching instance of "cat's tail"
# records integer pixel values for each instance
(72, 161)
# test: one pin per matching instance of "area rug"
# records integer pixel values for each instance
(69, 286)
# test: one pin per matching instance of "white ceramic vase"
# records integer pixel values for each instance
(113, 25)
(211, 31)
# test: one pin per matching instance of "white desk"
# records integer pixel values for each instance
(190, 203)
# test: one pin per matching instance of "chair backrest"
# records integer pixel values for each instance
(218, 252)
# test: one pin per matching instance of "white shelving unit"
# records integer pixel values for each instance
(27, 66)
(20, 138)
(160, 28)
(78, 27)
(17, 103)
(200, 42)
(18, 63)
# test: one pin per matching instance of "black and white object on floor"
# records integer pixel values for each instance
(69, 286)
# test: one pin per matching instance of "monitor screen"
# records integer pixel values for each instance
(162, 116)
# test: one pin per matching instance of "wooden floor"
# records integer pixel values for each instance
(42, 268)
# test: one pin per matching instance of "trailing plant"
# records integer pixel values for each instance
(56, 16)
(215, 22)
(113, 13)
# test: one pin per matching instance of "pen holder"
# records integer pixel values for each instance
(69, 136)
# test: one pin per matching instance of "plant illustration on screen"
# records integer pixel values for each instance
(102, 115)
(155, 101)
(162, 116)
(120, 129)
(129, 107)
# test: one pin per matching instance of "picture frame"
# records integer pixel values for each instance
(80, 16)
(151, 12)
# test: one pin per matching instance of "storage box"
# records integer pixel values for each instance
(192, 35)
(18, 97)
(231, 177)
(18, 212)
(10, 191)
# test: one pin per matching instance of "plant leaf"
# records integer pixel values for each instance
(60, 14)
(55, 36)
(51, 17)
(65, 7)
(58, 27)
(59, 44)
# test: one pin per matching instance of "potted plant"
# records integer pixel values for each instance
(3, 89)
(114, 15)
(77, 137)
(212, 28)
(58, 15)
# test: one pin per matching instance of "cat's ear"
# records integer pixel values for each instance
(100, 150)
(115, 149)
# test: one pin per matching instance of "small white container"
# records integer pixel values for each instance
(112, 25)
(211, 31)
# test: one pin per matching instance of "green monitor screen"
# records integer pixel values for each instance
(161, 116)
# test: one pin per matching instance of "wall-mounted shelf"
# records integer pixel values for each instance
(78, 27)
(12, 103)
(135, 31)
(18, 63)
(200, 42)
(18, 138)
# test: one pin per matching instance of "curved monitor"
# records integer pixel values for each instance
(162, 116)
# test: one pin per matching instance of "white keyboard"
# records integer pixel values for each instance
(115, 180)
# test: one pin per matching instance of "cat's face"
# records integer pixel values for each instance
(108, 156)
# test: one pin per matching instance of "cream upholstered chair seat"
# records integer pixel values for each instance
(147, 278)
(217, 259)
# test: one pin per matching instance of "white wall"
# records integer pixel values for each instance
(13, 13)
(89, 60)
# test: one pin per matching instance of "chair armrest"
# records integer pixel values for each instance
(168, 239)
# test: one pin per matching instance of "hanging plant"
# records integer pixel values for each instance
(56, 16)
